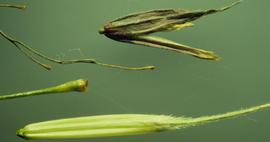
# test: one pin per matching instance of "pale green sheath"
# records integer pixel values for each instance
(120, 124)
(79, 85)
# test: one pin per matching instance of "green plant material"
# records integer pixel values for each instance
(120, 125)
(79, 85)
(30, 53)
(135, 29)
(22, 7)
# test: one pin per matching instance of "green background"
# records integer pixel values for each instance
(182, 85)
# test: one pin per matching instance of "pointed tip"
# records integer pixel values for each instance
(232, 5)
(151, 67)
(237, 2)
(217, 58)
(207, 55)
(23, 7)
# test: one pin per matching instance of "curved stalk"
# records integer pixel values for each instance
(120, 124)
(30, 52)
(79, 85)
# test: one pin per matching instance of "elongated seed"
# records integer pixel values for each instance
(120, 124)
(136, 29)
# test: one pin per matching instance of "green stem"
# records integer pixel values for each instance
(24, 48)
(79, 85)
(206, 119)
(22, 7)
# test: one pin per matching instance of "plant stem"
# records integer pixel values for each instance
(206, 119)
(22, 7)
(29, 52)
(79, 85)
(120, 124)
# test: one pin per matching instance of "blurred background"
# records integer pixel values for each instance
(182, 85)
